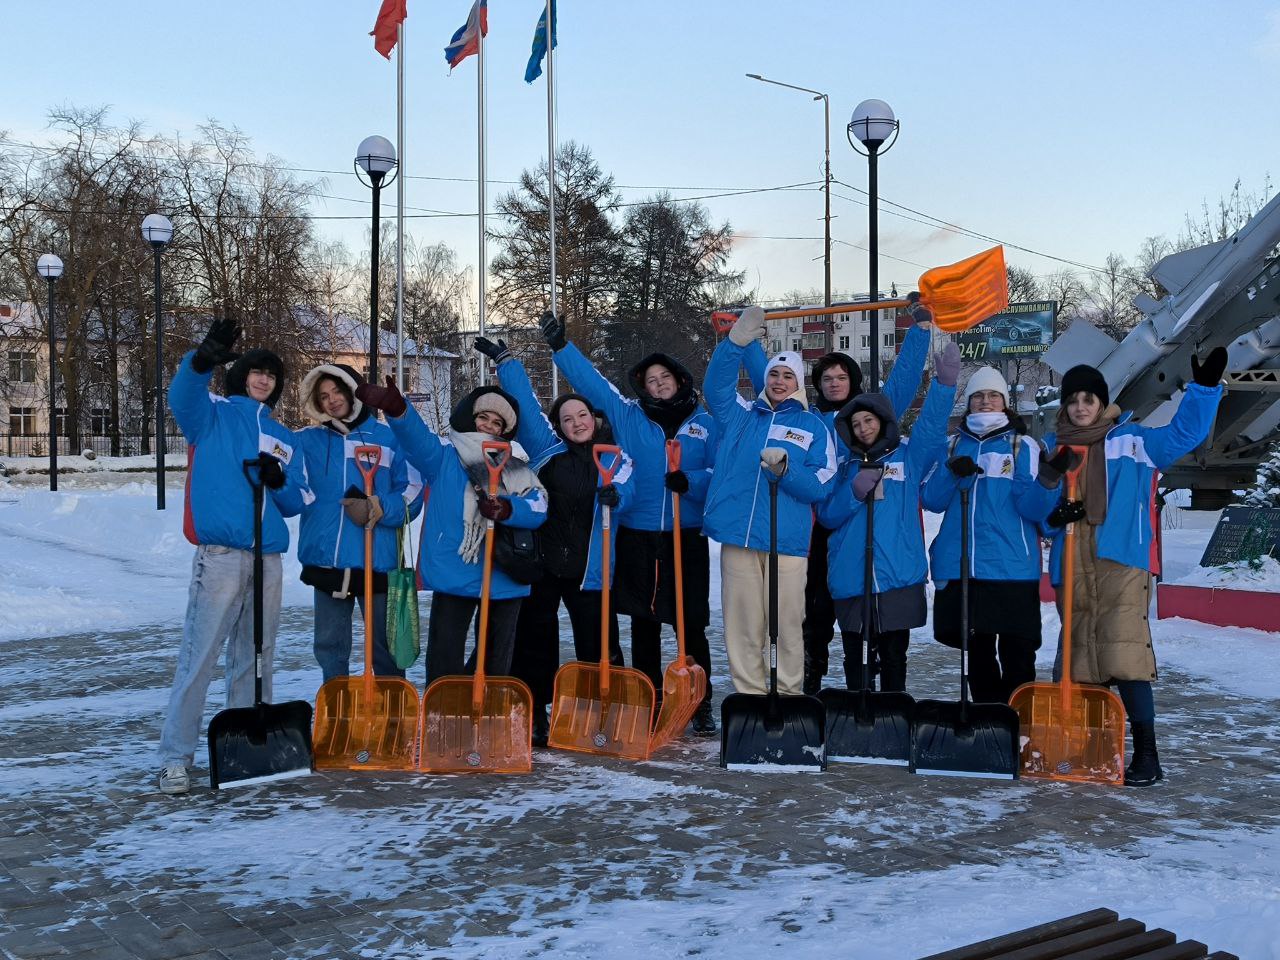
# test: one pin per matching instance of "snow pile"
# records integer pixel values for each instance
(94, 464)
(98, 560)
(1260, 575)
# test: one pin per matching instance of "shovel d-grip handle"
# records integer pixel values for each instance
(496, 453)
(368, 458)
(673, 456)
(722, 321)
(606, 473)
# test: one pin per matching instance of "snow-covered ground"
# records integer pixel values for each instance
(97, 559)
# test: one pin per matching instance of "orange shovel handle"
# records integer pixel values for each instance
(1068, 579)
(496, 453)
(673, 463)
(606, 478)
(368, 458)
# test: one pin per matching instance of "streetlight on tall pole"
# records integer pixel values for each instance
(875, 127)
(377, 158)
(157, 230)
(49, 266)
(826, 248)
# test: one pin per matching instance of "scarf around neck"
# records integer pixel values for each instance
(1093, 437)
(517, 480)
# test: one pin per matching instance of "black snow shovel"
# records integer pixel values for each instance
(268, 741)
(865, 726)
(965, 739)
(769, 732)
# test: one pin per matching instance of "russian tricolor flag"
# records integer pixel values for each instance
(467, 38)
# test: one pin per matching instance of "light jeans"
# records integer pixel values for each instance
(332, 643)
(219, 608)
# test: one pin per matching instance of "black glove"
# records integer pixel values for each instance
(1209, 373)
(607, 496)
(495, 508)
(916, 310)
(388, 399)
(677, 482)
(552, 330)
(215, 348)
(963, 467)
(497, 352)
(1067, 511)
(1052, 468)
(271, 471)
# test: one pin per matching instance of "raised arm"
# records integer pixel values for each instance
(903, 382)
(190, 401)
(929, 435)
(1190, 425)
(533, 430)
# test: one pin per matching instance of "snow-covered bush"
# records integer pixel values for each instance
(1266, 491)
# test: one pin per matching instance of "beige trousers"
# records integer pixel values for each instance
(744, 597)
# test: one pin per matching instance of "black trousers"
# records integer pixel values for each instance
(646, 650)
(889, 648)
(537, 647)
(993, 680)
(451, 618)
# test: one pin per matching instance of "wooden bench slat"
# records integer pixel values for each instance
(1074, 943)
(998, 946)
(1137, 947)
(1186, 950)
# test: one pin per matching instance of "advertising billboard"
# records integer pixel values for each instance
(1022, 331)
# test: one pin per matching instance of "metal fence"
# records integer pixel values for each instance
(120, 445)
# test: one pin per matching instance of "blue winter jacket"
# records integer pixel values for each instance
(737, 510)
(541, 443)
(326, 535)
(1135, 457)
(222, 433)
(646, 443)
(1006, 505)
(899, 387)
(439, 565)
(899, 533)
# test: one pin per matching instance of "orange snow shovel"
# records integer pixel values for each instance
(366, 722)
(600, 708)
(684, 683)
(479, 724)
(1070, 731)
(960, 295)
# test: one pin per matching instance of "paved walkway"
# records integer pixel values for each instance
(95, 863)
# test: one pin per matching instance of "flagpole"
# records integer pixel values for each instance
(551, 173)
(400, 207)
(483, 268)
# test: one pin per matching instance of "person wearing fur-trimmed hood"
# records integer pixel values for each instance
(331, 530)
(451, 556)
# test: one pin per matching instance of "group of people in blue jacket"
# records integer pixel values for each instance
(827, 461)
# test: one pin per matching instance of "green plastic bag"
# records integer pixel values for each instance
(402, 608)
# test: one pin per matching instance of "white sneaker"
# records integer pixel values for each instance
(174, 779)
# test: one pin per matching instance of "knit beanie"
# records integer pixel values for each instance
(792, 362)
(986, 378)
(1087, 378)
(495, 403)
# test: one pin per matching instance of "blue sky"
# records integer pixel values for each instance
(1073, 129)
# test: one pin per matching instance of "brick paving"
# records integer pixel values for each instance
(94, 862)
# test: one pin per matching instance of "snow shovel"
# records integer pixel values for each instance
(479, 724)
(767, 732)
(602, 708)
(1070, 731)
(965, 739)
(366, 722)
(866, 726)
(960, 295)
(684, 683)
(268, 741)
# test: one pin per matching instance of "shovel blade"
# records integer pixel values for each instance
(458, 739)
(864, 726)
(615, 724)
(269, 741)
(772, 733)
(366, 724)
(979, 741)
(1081, 740)
(683, 687)
(964, 294)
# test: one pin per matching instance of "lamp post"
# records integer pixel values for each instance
(376, 157)
(828, 323)
(49, 266)
(875, 127)
(157, 230)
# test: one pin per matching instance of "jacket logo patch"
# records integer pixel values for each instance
(801, 438)
(894, 471)
(275, 447)
(695, 430)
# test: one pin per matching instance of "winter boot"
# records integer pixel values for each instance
(541, 725)
(1144, 769)
(704, 721)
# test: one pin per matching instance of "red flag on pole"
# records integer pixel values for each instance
(386, 27)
